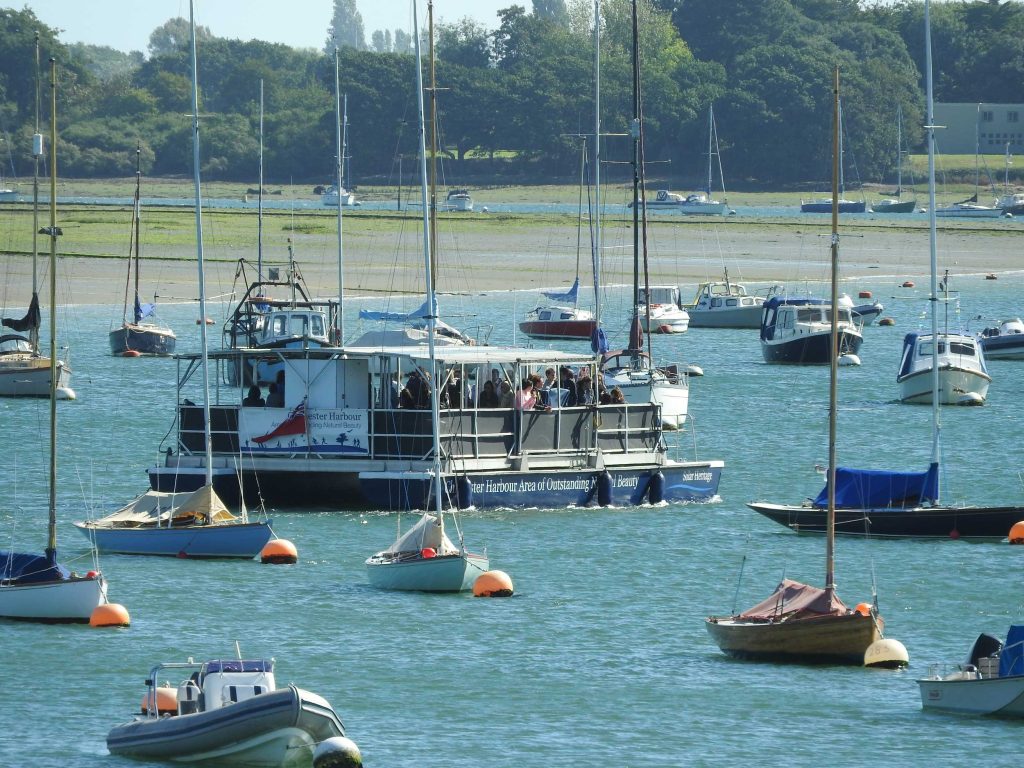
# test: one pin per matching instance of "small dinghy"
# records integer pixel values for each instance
(230, 712)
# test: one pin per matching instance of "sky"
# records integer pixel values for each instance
(127, 24)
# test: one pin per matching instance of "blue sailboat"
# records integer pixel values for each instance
(193, 524)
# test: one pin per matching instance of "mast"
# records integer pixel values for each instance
(435, 411)
(339, 171)
(579, 218)
(433, 142)
(899, 150)
(711, 129)
(977, 152)
(53, 232)
(833, 396)
(259, 215)
(199, 248)
(37, 152)
(842, 183)
(635, 338)
(932, 249)
(596, 259)
(136, 229)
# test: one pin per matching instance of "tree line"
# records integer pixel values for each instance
(513, 101)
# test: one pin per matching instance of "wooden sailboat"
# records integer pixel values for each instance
(32, 586)
(798, 622)
(702, 202)
(196, 524)
(424, 558)
(139, 336)
(24, 370)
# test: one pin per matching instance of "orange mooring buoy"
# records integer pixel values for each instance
(864, 294)
(908, 283)
(279, 552)
(110, 615)
(493, 584)
(1016, 535)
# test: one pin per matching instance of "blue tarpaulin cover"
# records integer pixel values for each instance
(569, 295)
(24, 568)
(1011, 660)
(881, 489)
(401, 317)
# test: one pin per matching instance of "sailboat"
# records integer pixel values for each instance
(24, 370)
(195, 524)
(972, 208)
(825, 205)
(424, 558)
(897, 205)
(337, 194)
(139, 337)
(33, 586)
(798, 622)
(632, 369)
(1011, 202)
(702, 202)
(565, 320)
(899, 504)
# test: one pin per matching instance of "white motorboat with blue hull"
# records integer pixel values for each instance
(1003, 342)
(342, 440)
(990, 683)
(798, 331)
(228, 713)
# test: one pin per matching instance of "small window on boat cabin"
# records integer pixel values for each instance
(809, 315)
(961, 348)
(924, 349)
(279, 325)
(298, 325)
(747, 301)
(716, 302)
(566, 316)
(545, 315)
(317, 323)
(731, 303)
(786, 318)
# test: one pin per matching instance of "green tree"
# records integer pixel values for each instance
(346, 29)
(174, 35)
(464, 42)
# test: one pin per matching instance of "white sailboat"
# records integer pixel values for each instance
(424, 558)
(702, 202)
(33, 586)
(24, 370)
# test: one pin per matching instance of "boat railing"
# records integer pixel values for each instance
(465, 433)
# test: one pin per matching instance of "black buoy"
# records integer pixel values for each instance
(656, 488)
(604, 489)
(464, 492)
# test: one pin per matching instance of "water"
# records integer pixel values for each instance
(601, 658)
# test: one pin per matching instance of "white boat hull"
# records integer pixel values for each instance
(444, 573)
(665, 319)
(71, 600)
(29, 376)
(979, 696)
(957, 386)
(702, 209)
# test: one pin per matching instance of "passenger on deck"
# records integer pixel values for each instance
(506, 398)
(275, 397)
(617, 398)
(255, 398)
(489, 397)
(585, 390)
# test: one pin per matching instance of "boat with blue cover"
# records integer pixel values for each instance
(227, 712)
(990, 682)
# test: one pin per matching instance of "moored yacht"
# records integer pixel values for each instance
(798, 331)
(1004, 341)
(663, 313)
(963, 375)
(724, 304)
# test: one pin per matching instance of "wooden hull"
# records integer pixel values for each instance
(143, 338)
(916, 522)
(904, 206)
(820, 640)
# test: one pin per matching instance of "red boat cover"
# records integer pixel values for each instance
(792, 597)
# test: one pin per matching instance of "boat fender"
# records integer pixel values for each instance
(464, 492)
(656, 488)
(428, 552)
(604, 489)
(337, 752)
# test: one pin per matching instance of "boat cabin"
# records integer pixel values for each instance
(14, 344)
(661, 294)
(213, 684)
(724, 295)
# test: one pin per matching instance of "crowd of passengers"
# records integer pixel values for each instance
(535, 392)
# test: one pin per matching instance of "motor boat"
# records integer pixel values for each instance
(663, 313)
(963, 376)
(724, 304)
(798, 331)
(990, 682)
(228, 711)
(1003, 342)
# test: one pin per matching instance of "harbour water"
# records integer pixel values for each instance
(601, 658)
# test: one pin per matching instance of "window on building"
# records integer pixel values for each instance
(987, 116)
(1012, 117)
